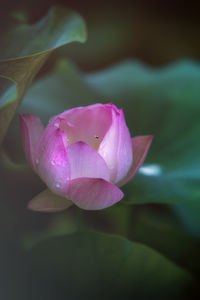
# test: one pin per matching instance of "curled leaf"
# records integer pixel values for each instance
(25, 48)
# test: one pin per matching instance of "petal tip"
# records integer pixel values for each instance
(151, 137)
(94, 193)
(47, 201)
(33, 206)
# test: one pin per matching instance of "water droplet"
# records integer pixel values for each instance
(56, 124)
(37, 161)
(58, 185)
(53, 162)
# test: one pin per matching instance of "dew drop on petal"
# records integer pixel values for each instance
(57, 124)
(58, 185)
(37, 161)
(53, 162)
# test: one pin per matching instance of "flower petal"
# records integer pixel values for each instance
(51, 159)
(140, 146)
(88, 124)
(116, 147)
(86, 162)
(93, 193)
(48, 202)
(31, 129)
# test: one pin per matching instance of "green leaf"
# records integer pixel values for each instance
(154, 226)
(25, 48)
(161, 232)
(189, 215)
(99, 265)
(161, 102)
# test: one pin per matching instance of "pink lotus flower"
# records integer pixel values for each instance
(83, 155)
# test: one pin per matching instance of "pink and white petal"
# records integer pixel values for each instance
(51, 158)
(88, 124)
(47, 201)
(31, 129)
(140, 146)
(86, 162)
(109, 146)
(116, 147)
(125, 153)
(93, 193)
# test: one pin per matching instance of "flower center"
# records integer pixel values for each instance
(77, 135)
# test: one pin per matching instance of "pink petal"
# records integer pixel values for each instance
(116, 147)
(48, 202)
(51, 159)
(88, 124)
(31, 129)
(86, 162)
(93, 193)
(140, 146)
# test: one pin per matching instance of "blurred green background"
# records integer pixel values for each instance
(143, 56)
